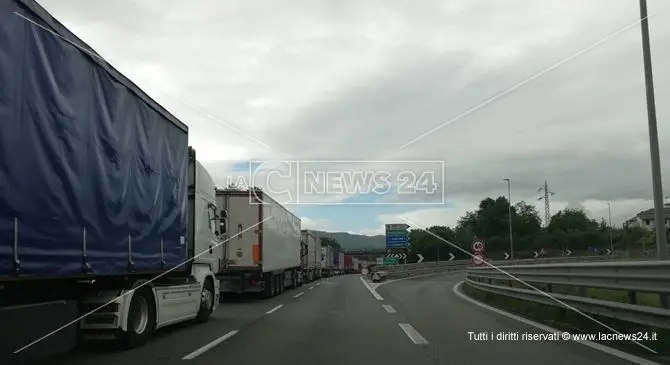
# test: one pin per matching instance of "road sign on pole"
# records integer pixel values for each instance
(390, 261)
(397, 227)
(420, 256)
(478, 252)
(478, 259)
(397, 235)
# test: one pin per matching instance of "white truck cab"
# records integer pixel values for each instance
(131, 313)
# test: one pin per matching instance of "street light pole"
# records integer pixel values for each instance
(661, 240)
(509, 198)
(609, 211)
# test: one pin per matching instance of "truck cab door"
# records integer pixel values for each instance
(212, 235)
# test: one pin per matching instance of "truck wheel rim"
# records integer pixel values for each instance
(206, 298)
(141, 315)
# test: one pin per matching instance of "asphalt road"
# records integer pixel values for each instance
(445, 319)
(339, 321)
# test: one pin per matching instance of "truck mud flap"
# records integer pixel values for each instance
(31, 322)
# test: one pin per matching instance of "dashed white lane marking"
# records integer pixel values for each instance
(413, 334)
(388, 308)
(299, 294)
(372, 290)
(209, 346)
(596, 346)
(311, 287)
(317, 284)
(274, 309)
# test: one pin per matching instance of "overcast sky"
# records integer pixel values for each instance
(357, 80)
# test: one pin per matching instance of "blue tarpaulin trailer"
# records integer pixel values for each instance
(92, 171)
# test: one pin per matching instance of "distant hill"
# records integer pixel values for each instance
(354, 241)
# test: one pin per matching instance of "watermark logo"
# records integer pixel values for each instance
(345, 182)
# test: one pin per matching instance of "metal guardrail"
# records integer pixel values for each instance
(633, 277)
(434, 264)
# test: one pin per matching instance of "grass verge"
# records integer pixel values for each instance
(567, 320)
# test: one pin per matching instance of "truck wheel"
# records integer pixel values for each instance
(141, 319)
(269, 285)
(206, 301)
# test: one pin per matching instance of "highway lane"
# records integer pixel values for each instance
(171, 344)
(340, 323)
(337, 320)
(444, 319)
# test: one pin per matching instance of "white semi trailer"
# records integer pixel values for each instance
(313, 255)
(263, 253)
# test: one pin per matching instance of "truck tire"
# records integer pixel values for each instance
(274, 285)
(269, 285)
(206, 301)
(141, 319)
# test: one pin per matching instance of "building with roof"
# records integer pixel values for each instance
(645, 219)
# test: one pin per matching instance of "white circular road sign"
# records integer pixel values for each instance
(477, 259)
(478, 246)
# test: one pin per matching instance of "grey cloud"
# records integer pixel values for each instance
(355, 80)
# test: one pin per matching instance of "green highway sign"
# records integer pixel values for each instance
(397, 233)
(390, 261)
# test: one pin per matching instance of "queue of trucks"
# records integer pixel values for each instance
(108, 221)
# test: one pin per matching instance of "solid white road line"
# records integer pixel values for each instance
(208, 346)
(371, 290)
(596, 346)
(274, 309)
(413, 334)
(299, 294)
(388, 308)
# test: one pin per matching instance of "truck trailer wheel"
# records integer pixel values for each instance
(141, 319)
(269, 285)
(206, 301)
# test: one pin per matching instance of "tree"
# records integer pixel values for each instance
(526, 219)
(327, 241)
(569, 229)
(527, 227)
(492, 218)
(571, 219)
